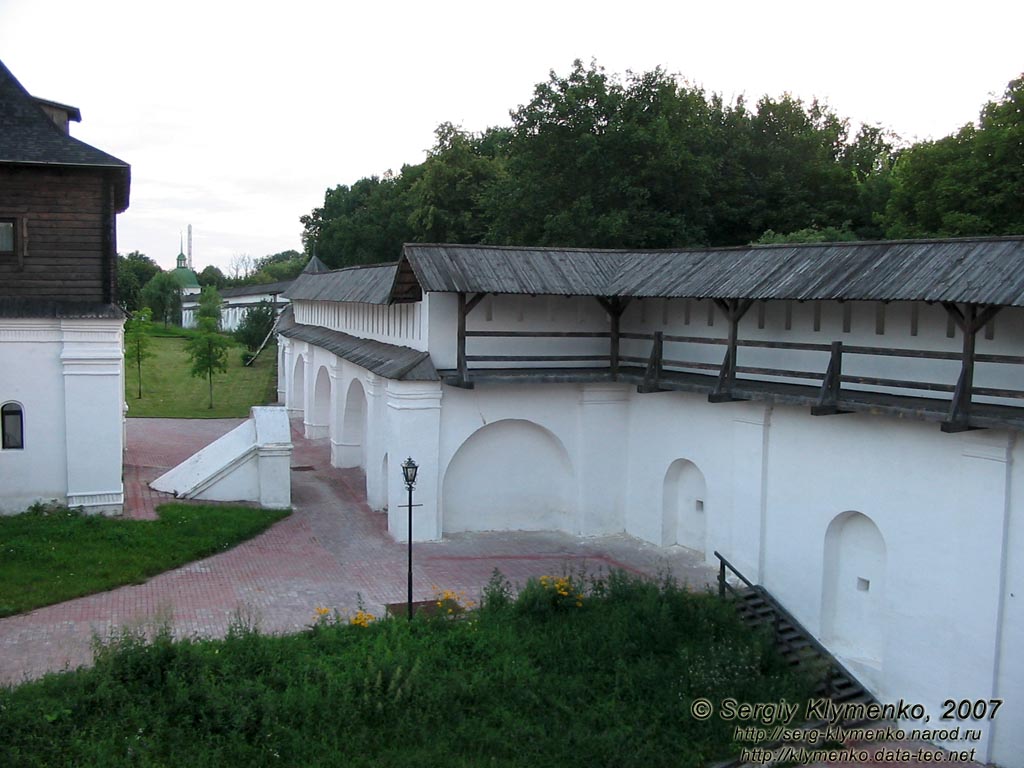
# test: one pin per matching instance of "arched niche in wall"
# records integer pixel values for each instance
(853, 589)
(684, 508)
(509, 475)
(298, 393)
(320, 411)
(384, 480)
(353, 427)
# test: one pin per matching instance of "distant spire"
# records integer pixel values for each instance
(181, 251)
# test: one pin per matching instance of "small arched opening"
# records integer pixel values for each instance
(853, 592)
(684, 507)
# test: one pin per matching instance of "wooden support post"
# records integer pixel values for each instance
(828, 399)
(734, 309)
(970, 320)
(653, 373)
(614, 306)
(461, 340)
(465, 307)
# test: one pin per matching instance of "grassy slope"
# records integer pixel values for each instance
(49, 558)
(169, 391)
(538, 682)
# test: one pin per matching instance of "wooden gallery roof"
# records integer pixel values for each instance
(986, 270)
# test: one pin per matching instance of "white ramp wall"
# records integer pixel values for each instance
(250, 463)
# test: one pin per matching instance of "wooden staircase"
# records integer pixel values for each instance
(758, 608)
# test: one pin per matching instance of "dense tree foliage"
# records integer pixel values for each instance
(651, 161)
(255, 325)
(133, 272)
(211, 275)
(162, 294)
(971, 183)
(277, 267)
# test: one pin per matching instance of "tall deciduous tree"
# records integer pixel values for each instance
(447, 204)
(210, 305)
(366, 223)
(211, 275)
(208, 352)
(137, 340)
(133, 272)
(970, 183)
(162, 294)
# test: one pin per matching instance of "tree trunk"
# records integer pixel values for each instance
(209, 376)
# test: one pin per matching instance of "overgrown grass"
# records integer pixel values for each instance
(169, 391)
(48, 556)
(543, 679)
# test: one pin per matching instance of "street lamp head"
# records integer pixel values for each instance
(409, 469)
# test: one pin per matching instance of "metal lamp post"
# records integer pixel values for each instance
(409, 469)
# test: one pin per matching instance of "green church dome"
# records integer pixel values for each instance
(186, 277)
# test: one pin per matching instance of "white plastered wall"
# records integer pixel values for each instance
(68, 377)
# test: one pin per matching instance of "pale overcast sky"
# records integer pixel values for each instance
(237, 116)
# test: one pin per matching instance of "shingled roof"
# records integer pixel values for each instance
(369, 284)
(987, 270)
(29, 137)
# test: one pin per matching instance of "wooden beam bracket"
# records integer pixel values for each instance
(970, 319)
(471, 303)
(733, 309)
(652, 375)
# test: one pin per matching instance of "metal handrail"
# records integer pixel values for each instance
(781, 612)
(722, 585)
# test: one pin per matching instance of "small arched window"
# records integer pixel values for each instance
(13, 426)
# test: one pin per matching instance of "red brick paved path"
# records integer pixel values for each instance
(330, 552)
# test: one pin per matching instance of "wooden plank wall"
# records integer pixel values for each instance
(68, 217)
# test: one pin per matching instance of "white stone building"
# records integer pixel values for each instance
(61, 332)
(236, 302)
(840, 421)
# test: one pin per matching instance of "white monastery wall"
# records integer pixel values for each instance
(896, 544)
(399, 324)
(68, 377)
(1008, 733)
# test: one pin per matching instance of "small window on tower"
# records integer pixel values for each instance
(12, 426)
(6, 236)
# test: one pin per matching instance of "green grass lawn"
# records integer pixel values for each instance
(49, 557)
(169, 391)
(544, 679)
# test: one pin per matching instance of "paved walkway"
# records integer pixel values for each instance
(332, 551)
